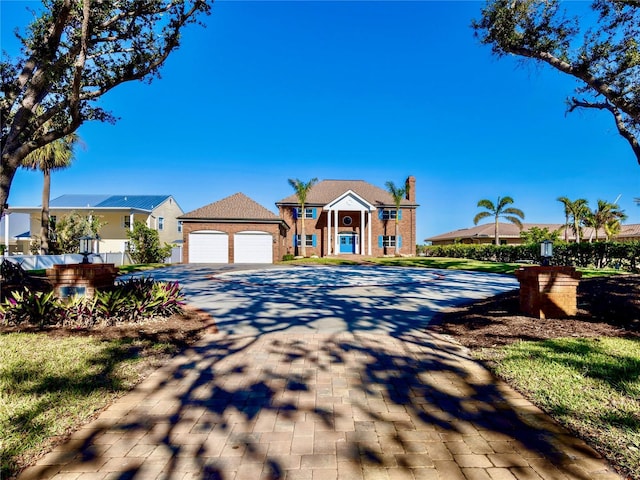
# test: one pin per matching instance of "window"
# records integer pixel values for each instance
(308, 213)
(389, 241)
(160, 223)
(310, 241)
(126, 222)
(390, 214)
(179, 226)
(347, 221)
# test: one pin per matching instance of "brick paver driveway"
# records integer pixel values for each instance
(324, 374)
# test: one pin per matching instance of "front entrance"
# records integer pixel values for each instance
(348, 242)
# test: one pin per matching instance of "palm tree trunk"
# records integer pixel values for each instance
(303, 237)
(497, 241)
(566, 227)
(397, 234)
(44, 218)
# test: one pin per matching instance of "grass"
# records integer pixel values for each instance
(319, 261)
(140, 267)
(592, 386)
(50, 385)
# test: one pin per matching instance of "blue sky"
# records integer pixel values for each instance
(346, 90)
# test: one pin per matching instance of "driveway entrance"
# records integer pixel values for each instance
(324, 373)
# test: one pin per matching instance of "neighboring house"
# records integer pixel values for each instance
(235, 229)
(351, 217)
(510, 234)
(14, 229)
(118, 213)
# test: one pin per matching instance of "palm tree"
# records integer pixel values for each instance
(575, 212)
(500, 210)
(607, 216)
(398, 195)
(53, 156)
(302, 189)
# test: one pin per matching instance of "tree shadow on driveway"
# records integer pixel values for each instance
(346, 383)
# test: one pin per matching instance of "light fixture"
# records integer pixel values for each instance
(546, 251)
(86, 247)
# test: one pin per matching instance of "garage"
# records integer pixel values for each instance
(208, 246)
(253, 247)
(235, 229)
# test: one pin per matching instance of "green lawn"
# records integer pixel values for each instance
(592, 386)
(48, 385)
(476, 265)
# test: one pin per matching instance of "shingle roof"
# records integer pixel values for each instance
(235, 207)
(141, 202)
(632, 230)
(509, 230)
(327, 190)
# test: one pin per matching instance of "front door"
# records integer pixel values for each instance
(348, 243)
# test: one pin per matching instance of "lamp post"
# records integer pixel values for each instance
(86, 247)
(546, 252)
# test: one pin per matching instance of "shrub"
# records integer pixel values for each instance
(144, 246)
(131, 301)
(287, 257)
(597, 254)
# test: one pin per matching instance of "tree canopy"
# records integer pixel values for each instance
(74, 52)
(601, 51)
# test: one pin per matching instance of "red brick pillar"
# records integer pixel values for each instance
(548, 292)
(81, 278)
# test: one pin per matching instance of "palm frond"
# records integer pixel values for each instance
(480, 216)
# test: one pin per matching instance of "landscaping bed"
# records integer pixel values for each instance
(607, 306)
(584, 371)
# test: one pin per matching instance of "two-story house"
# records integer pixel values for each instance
(351, 217)
(118, 213)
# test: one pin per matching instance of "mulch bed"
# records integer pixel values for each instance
(607, 306)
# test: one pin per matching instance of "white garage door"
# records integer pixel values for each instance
(208, 247)
(253, 247)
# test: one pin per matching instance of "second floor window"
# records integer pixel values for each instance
(160, 223)
(390, 214)
(126, 222)
(308, 213)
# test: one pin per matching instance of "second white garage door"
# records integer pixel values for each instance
(208, 247)
(253, 247)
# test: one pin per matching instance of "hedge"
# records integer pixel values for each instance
(624, 256)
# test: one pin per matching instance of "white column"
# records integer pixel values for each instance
(369, 232)
(131, 221)
(335, 217)
(6, 233)
(329, 232)
(362, 250)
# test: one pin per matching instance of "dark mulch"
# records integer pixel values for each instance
(607, 306)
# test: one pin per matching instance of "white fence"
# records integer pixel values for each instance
(40, 262)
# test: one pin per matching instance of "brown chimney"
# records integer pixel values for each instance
(410, 185)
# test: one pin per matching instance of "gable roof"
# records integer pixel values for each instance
(328, 190)
(234, 207)
(139, 202)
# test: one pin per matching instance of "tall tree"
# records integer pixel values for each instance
(575, 212)
(498, 211)
(398, 194)
(74, 52)
(601, 51)
(606, 216)
(302, 189)
(52, 156)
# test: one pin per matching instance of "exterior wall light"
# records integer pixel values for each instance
(546, 251)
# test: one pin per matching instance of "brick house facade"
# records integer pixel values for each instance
(351, 217)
